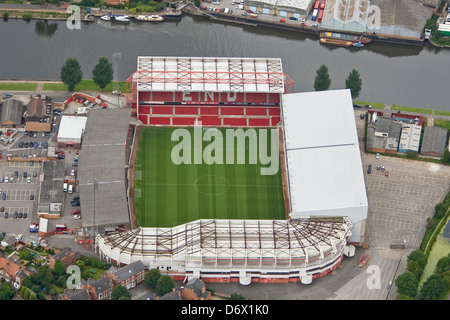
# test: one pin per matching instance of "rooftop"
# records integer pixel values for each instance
(71, 127)
(323, 154)
(102, 168)
(209, 74)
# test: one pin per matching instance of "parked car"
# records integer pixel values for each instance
(2, 209)
(77, 217)
(6, 215)
(74, 164)
(75, 204)
(304, 24)
(386, 173)
(25, 215)
(76, 212)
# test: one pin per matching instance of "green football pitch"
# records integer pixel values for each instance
(169, 194)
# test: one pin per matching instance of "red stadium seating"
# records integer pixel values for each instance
(259, 122)
(255, 111)
(234, 121)
(209, 110)
(182, 121)
(161, 96)
(274, 111)
(232, 111)
(160, 120)
(275, 120)
(186, 110)
(256, 97)
(162, 110)
(210, 121)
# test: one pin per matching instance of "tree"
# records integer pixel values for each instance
(58, 269)
(120, 293)
(446, 156)
(322, 81)
(102, 74)
(164, 285)
(71, 73)
(151, 277)
(419, 256)
(407, 284)
(236, 296)
(433, 288)
(354, 83)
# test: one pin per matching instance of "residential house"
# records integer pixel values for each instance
(12, 272)
(100, 289)
(66, 256)
(38, 116)
(195, 289)
(128, 276)
(81, 294)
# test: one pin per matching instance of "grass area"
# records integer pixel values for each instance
(18, 86)
(442, 123)
(167, 194)
(84, 85)
(411, 109)
(373, 104)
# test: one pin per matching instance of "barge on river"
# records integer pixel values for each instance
(343, 39)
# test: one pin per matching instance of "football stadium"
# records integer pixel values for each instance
(235, 178)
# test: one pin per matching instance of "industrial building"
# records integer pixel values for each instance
(383, 136)
(102, 172)
(71, 131)
(434, 141)
(51, 195)
(283, 8)
(11, 112)
(345, 15)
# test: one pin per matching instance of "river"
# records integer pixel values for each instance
(391, 74)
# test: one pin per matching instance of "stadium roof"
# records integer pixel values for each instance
(102, 168)
(238, 239)
(209, 74)
(323, 155)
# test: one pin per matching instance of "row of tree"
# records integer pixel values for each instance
(71, 73)
(353, 82)
(435, 286)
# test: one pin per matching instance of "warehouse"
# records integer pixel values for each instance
(51, 195)
(434, 141)
(283, 8)
(12, 112)
(71, 131)
(323, 157)
(345, 15)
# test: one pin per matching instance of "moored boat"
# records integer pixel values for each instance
(150, 18)
(106, 17)
(122, 18)
(336, 42)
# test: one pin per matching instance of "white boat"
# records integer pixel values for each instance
(124, 18)
(106, 17)
(151, 18)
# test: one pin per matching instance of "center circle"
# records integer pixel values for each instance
(211, 185)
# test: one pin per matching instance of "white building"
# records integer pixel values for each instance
(325, 172)
(71, 131)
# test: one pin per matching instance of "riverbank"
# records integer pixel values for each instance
(269, 21)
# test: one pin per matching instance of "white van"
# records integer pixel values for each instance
(65, 187)
(70, 188)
